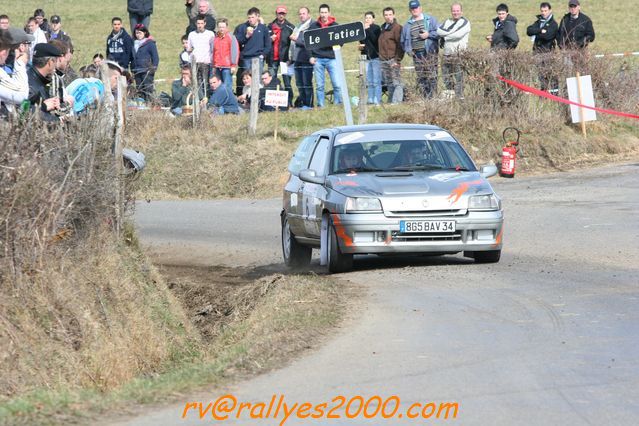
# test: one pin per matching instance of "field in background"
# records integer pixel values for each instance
(89, 22)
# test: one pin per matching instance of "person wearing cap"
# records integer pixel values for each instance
(203, 8)
(420, 40)
(43, 66)
(504, 35)
(140, 12)
(300, 57)
(14, 87)
(39, 16)
(55, 30)
(324, 60)
(145, 61)
(281, 30)
(391, 54)
(119, 44)
(454, 33)
(575, 30)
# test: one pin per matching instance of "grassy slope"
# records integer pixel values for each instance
(89, 22)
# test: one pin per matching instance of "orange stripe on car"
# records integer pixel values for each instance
(461, 190)
(341, 232)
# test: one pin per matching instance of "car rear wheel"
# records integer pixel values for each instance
(337, 261)
(295, 254)
(491, 256)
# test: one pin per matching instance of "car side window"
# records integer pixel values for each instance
(320, 156)
(302, 155)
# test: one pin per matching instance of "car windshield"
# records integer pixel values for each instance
(400, 155)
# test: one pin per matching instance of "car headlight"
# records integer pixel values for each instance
(484, 202)
(363, 205)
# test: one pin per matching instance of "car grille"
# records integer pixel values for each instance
(440, 236)
(426, 213)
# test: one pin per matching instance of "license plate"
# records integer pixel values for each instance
(411, 226)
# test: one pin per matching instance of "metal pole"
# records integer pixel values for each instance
(255, 95)
(363, 95)
(346, 100)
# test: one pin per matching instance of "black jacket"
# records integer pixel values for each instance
(141, 7)
(505, 34)
(210, 24)
(371, 42)
(286, 29)
(545, 34)
(38, 92)
(575, 33)
(119, 48)
(324, 52)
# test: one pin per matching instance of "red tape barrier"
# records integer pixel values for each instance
(544, 94)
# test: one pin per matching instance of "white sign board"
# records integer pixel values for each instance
(587, 98)
(276, 98)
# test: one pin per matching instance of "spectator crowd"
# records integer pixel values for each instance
(36, 72)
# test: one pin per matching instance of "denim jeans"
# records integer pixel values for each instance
(329, 65)
(374, 81)
(246, 64)
(304, 82)
(392, 79)
(135, 19)
(453, 75)
(226, 76)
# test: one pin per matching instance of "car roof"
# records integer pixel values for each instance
(379, 126)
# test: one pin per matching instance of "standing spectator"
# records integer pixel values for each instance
(370, 49)
(222, 100)
(505, 34)
(203, 8)
(119, 45)
(4, 22)
(391, 55)
(300, 57)
(281, 31)
(420, 40)
(40, 74)
(201, 47)
(14, 87)
(39, 16)
(55, 30)
(543, 30)
(226, 53)
(254, 39)
(181, 90)
(38, 35)
(140, 12)
(145, 61)
(324, 60)
(575, 30)
(454, 35)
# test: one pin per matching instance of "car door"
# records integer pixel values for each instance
(313, 195)
(292, 202)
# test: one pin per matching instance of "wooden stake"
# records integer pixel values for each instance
(195, 88)
(581, 109)
(255, 95)
(277, 114)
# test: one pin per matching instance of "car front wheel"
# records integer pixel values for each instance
(491, 256)
(337, 261)
(295, 254)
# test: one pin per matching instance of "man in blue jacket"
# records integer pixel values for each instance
(420, 40)
(140, 12)
(119, 45)
(254, 39)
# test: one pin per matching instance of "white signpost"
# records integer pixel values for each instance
(276, 98)
(580, 91)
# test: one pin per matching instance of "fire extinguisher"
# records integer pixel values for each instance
(509, 154)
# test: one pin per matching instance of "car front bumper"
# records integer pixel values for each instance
(364, 233)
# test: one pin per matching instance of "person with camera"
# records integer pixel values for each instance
(453, 39)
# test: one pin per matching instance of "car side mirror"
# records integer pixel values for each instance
(308, 175)
(488, 170)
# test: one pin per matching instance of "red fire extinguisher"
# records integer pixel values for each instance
(509, 154)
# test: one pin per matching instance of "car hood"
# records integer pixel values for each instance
(414, 191)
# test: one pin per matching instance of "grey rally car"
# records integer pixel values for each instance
(384, 189)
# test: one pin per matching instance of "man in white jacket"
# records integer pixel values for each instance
(454, 35)
(14, 88)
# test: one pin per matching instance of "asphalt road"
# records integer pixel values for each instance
(548, 336)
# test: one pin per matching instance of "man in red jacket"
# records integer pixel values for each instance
(226, 53)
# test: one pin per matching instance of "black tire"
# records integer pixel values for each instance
(295, 254)
(491, 256)
(337, 261)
